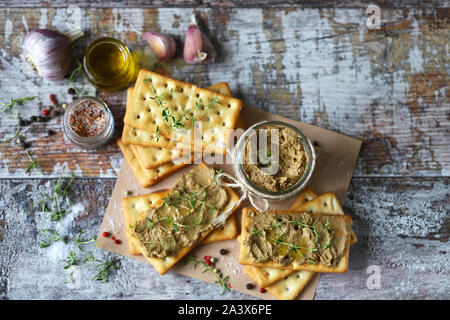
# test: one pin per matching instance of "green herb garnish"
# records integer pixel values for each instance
(51, 235)
(104, 269)
(57, 200)
(8, 107)
(57, 206)
(79, 241)
(188, 114)
(70, 260)
(327, 244)
(293, 247)
(256, 232)
(34, 164)
(220, 279)
(157, 135)
(73, 76)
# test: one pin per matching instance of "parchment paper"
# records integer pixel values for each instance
(336, 159)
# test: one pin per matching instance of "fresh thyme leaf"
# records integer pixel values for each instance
(70, 260)
(327, 244)
(34, 164)
(276, 223)
(73, 76)
(157, 135)
(57, 205)
(51, 235)
(220, 279)
(216, 174)
(8, 107)
(74, 73)
(105, 269)
(213, 102)
(293, 247)
(256, 232)
(79, 241)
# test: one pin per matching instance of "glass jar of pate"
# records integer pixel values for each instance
(108, 64)
(88, 123)
(274, 160)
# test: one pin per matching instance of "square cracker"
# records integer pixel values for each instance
(287, 284)
(265, 277)
(162, 265)
(326, 203)
(147, 177)
(134, 209)
(159, 151)
(154, 92)
(131, 135)
(343, 220)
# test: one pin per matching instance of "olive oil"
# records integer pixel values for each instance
(108, 64)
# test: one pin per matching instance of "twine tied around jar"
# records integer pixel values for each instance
(245, 193)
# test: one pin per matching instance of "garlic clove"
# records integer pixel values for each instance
(197, 47)
(163, 45)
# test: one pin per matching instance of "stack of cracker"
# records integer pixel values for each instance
(287, 283)
(159, 124)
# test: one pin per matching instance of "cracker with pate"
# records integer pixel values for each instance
(134, 209)
(265, 277)
(295, 240)
(185, 218)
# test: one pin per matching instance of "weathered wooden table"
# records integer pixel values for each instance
(316, 62)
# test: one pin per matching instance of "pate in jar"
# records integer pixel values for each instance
(274, 160)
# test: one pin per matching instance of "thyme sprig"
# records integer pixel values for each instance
(58, 199)
(279, 240)
(79, 242)
(8, 107)
(73, 76)
(105, 269)
(188, 114)
(313, 227)
(193, 198)
(51, 237)
(157, 135)
(220, 279)
(57, 205)
(71, 260)
(327, 245)
(256, 232)
(34, 164)
(173, 223)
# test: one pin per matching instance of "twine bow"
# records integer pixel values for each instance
(245, 194)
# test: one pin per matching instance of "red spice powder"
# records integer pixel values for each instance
(87, 119)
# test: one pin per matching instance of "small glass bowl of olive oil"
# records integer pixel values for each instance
(108, 64)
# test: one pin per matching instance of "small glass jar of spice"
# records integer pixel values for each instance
(88, 123)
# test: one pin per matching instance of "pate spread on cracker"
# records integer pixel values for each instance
(184, 218)
(295, 240)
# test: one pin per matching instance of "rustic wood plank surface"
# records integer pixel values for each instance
(313, 61)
